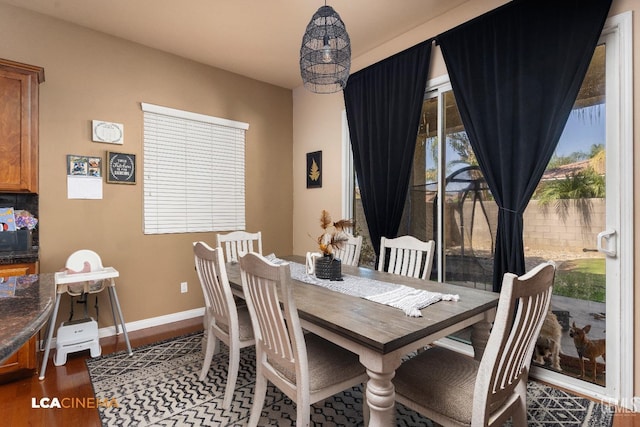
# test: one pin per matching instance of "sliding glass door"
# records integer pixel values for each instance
(563, 221)
(580, 217)
(449, 200)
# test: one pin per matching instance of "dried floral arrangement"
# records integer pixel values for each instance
(334, 235)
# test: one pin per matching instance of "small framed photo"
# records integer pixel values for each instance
(84, 166)
(121, 168)
(314, 169)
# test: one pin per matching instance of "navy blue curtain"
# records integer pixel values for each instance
(383, 104)
(515, 74)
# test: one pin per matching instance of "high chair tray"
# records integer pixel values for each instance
(62, 277)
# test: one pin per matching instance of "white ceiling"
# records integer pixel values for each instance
(255, 38)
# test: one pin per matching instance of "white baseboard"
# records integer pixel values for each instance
(110, 331)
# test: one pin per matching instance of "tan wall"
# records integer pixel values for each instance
(93, 76)
(317, 126)
(311, 118)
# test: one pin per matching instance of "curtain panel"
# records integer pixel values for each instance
(383, 104)
(515, 74)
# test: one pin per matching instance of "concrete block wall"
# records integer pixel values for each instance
(570, 229)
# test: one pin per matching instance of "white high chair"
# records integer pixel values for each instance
(84, 273)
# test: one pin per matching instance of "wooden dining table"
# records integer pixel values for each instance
(382, 335)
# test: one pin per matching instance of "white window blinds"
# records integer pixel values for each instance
(194, 169)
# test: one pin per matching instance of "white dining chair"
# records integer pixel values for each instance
(224, 321)
(349, 253)
(237, 243)
(305, 367)
(408, 256)
(454, 389)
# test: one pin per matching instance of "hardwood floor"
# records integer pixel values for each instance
(72, 381)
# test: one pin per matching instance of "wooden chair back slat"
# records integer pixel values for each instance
(238, 243)
(407, 256)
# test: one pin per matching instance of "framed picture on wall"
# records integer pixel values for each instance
(314, 169)
(121, 168)
(84, 165)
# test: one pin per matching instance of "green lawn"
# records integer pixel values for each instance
(582, 279)
(587, 265)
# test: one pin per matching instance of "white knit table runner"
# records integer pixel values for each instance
(408, 299)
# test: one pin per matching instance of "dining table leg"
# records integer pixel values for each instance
(480, 334)
(380, 393)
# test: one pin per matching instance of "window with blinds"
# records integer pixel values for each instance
(194, 169)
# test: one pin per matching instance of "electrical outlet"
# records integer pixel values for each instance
(183, 287)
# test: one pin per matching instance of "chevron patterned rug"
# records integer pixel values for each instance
(158, 385)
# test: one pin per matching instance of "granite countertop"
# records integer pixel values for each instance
(17, 257)
(25, 306)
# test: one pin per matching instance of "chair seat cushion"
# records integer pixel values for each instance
(245, 330)
(329, 363)
(441, 381)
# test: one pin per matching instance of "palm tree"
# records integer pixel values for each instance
(576, 188)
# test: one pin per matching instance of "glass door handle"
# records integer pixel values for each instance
(609, 247)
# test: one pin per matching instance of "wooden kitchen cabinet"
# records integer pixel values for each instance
(18, 269)
(19, 126)
(23, 362)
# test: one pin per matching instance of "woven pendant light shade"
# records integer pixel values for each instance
(325, 54)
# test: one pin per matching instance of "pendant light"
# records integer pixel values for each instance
(325, 54)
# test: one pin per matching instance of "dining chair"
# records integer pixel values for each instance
(454, 389)
(408, 256)
(304, 366)
(237, 243)
(223, 320)
(349, 254)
